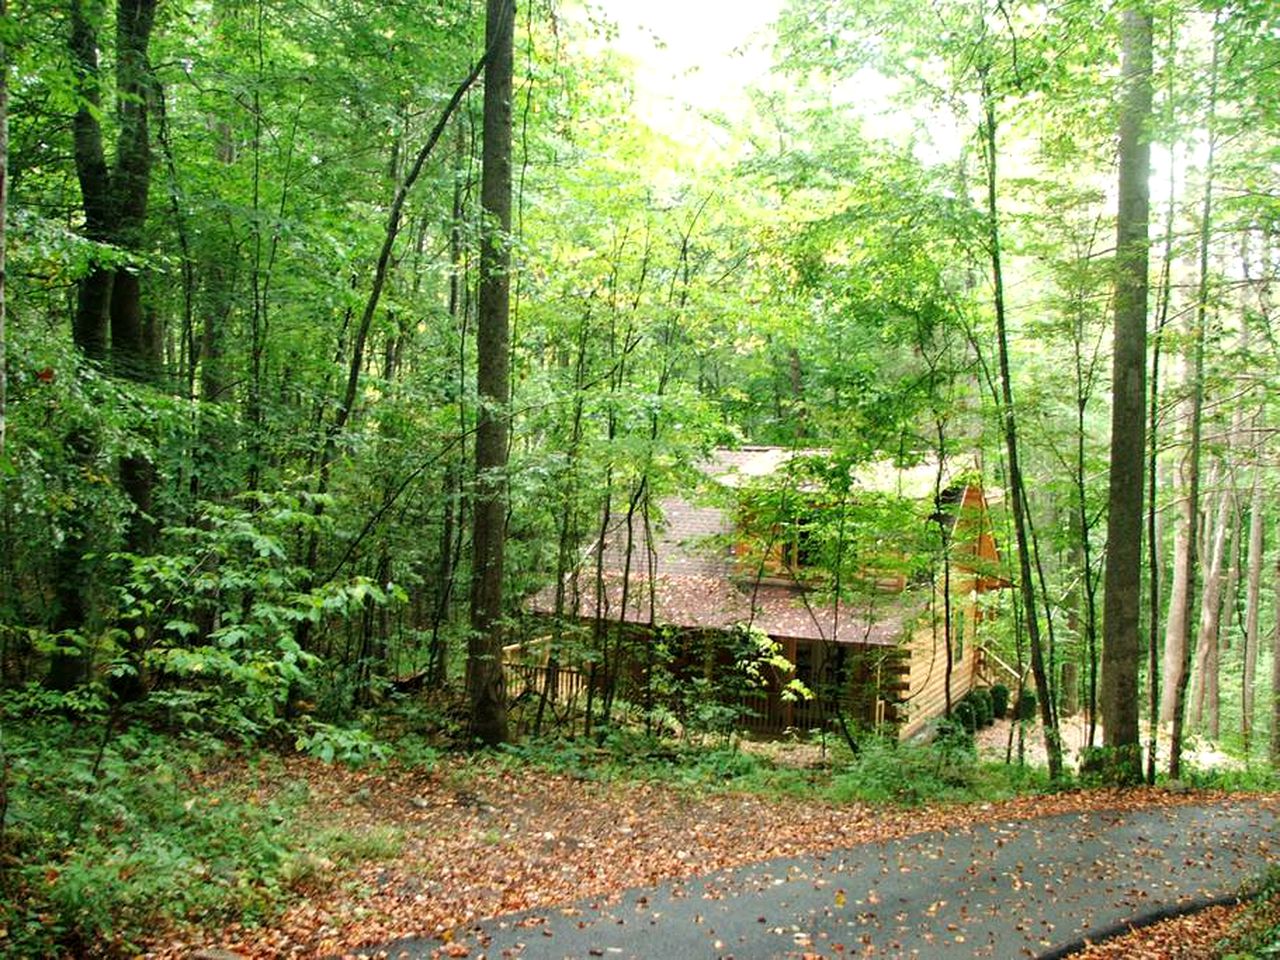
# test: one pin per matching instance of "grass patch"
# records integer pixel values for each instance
(347, 848)
(1255, 778)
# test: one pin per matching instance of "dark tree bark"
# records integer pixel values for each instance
(91, 326)
(110, 320)
(1121, 646)
(484, 650)
(109, 323)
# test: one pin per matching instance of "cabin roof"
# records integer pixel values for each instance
(693, 602)
(690, 579)
(917, 481)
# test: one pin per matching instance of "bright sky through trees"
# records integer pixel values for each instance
(693, 58)
(698, 59)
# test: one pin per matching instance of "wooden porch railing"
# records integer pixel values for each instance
(763, 713)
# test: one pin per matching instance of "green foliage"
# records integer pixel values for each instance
(1257, 934)
(629, 755)
(1251, 778)
(1111, 766)
(1026, 705)
(964, 714)
(883, 772)
(109, 833)
(221, 617)
(983, 706)
(111, 830)
(999, 701)
(700, 703)
(350, 745)
(945, 770)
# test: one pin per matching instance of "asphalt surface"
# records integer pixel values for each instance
(1033, 888)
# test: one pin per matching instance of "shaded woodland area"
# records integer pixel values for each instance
(330, 334)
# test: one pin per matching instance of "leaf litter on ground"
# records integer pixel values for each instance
(477, 841)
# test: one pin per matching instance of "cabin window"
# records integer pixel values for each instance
(957, 636)
(787, 545)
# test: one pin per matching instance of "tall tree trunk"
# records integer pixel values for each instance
(484, 650)
(1205, 699)
(1253, 604)
(91, 325)
(114, 201)
(1180, 679)
(109, 301)
(1155, 533)
(1275, 677)
(1044, 687)
(1121, 646)
(135, 342)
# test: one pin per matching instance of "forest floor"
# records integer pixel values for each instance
(465, 842)
(1001, 740)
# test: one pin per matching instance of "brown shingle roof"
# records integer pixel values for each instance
(695, 581)
(718, 603)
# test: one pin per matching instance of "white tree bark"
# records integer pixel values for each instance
(1205, 694)
(1253, 601)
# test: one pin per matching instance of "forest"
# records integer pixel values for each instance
(330, 334)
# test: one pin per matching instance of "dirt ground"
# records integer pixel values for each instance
(994, 742)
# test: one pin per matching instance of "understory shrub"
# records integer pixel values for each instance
(983, 706)
(112, 830)
(1026, 705)
(886, 771)
(999, 701)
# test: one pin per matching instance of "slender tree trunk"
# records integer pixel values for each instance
(1231, 583)
(1275, 677)
(1180, 680)
(1082, 540)
(355, 368)
(1185, 563)
(484, 651)
(1122, 598)
(944, 538)
(1253, 604)
(1044, 687)
(1155, 538)
(1205, 700)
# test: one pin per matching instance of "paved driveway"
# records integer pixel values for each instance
(1004, 890)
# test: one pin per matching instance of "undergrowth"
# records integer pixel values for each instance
(883, 771)
(1257, 935)
(112, 829)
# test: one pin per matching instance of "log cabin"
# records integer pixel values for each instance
(751, 547)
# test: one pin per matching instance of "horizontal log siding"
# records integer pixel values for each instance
(927, 695)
